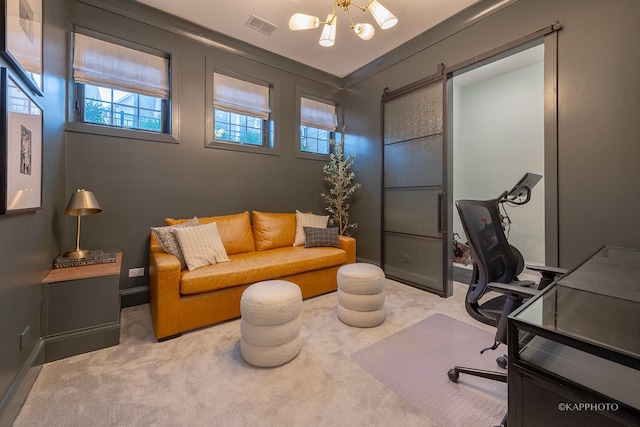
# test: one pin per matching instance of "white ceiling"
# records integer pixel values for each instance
(349, 52)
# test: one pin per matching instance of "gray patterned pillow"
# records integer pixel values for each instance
(169, 242)
(321, 237)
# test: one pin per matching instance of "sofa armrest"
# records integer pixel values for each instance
(164, 287)
(348, 244)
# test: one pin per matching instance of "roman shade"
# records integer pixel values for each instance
(317, 114)
(101, 63)
(240, 96)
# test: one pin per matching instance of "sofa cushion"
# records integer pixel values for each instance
(308, 220)
(256, 266)
(201, 245)
(315, 237)
(235, 231)
(273, 230)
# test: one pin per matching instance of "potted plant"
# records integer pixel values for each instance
(338, 174)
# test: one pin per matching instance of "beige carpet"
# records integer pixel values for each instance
(200, 378)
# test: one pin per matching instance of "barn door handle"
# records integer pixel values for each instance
(441, 212)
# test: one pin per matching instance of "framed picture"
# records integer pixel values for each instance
(20, 148)
(21, 40)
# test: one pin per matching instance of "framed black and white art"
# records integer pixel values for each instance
(20, 148)
(21, 40)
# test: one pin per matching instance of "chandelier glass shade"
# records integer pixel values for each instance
(382, 16)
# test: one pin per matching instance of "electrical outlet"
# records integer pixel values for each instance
(136, 272)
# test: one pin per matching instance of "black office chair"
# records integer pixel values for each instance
(496, 268)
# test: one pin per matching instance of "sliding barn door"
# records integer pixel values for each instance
(414, 197)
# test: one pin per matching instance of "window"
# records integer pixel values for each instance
(241, 112)
(317, 126)
(119, 86)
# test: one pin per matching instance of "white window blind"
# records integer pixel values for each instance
(317, 114)
(241, 97)
(101, 63)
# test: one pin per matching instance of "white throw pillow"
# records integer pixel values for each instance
(308, 220)
(168, 240)
(201, 245)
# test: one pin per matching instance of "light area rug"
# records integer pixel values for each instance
(414, 363)
(200, 378)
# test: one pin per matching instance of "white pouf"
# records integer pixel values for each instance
(361, 295)
(361, 279)
(361, 319)
(270, 323)
(269, 357)
(271, 302)
(268, 335)
(361, 302)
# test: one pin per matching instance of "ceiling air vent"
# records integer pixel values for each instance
(261, 25)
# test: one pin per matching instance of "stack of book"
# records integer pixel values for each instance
(94, 257)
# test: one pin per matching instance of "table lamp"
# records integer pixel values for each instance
(82, 203)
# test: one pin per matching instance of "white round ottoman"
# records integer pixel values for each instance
(361, 295)
(270, 323)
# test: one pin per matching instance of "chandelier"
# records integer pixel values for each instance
(384, 18)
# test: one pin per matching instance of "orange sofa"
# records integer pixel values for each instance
(182, 300)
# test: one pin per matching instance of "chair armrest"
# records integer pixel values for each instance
(520, 288)
(549, 274)
(544, 269)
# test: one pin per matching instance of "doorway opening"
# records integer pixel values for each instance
(498, 134)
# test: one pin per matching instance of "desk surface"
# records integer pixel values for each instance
(598, 302)
(611, 271)
(84, 272)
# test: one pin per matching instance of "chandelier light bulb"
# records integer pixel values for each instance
(383, 17)
(328, 36)
(364, 31)
(301, 21)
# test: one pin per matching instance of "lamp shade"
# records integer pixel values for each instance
(383, 17)
(82, 203)
(301, 21)
(328, 36)
(364, 31)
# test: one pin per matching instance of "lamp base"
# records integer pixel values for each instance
(77, 253)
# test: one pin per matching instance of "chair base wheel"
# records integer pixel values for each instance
(453, 375)
(502, 362)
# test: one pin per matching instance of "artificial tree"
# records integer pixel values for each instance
(340, 178)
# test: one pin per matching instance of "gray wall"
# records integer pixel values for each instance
(30, 241)
(598, 106)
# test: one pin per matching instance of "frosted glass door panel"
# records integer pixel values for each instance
(412, 211)
(413, 115)
(412, 187)
(417, 260)
(413, 163)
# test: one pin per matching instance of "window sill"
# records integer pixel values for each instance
(312, 156)
(120, 132)
(246, 148)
